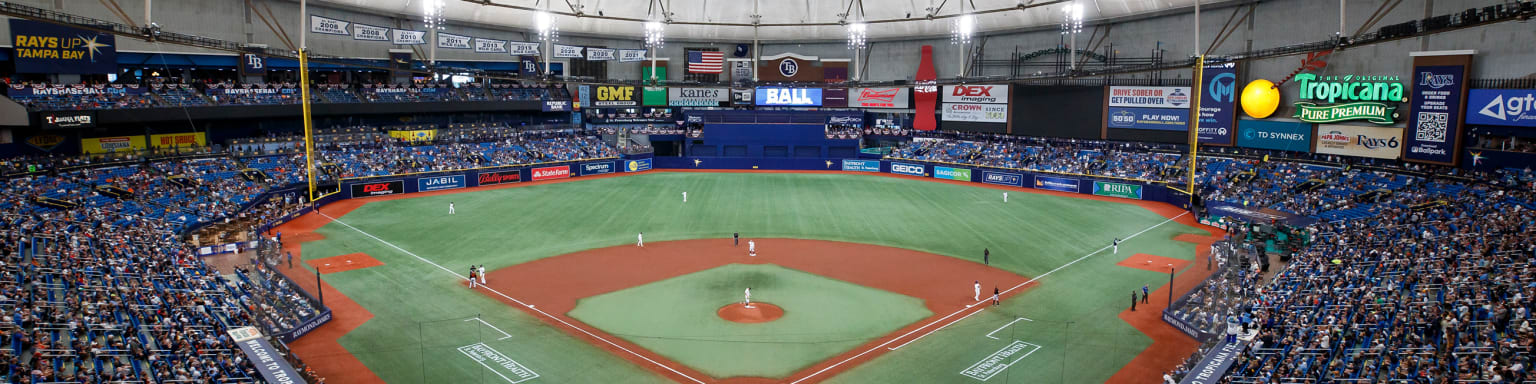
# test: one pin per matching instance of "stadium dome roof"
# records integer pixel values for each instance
(800, 20)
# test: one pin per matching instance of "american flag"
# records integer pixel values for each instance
(706, 62)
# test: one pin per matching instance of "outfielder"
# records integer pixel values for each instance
(685, 196)
(749, 297)
(1005, 197)
(640, 240)
(450, 207)
(1117, 245)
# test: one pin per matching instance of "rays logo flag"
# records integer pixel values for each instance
(49, 48)
(705, 62)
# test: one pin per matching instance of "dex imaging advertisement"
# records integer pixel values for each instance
(50, 48)
(378, 188)
(1513, 107)
(977, 94)
(1218, 107)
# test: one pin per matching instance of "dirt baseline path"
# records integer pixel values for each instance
(554, 284)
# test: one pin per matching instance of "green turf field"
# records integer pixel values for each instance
(419, 310)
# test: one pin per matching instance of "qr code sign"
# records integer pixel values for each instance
(1431, 126)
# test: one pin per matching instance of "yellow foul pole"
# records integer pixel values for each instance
(1194, 128)
(309, 134)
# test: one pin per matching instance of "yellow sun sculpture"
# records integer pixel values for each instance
(1260, 99)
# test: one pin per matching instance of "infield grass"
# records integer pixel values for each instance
(1072, 312)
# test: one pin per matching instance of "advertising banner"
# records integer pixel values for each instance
(556, 106)
(854, 120)
(378, 188)
(1436, 120)
(1002, 178)
(631, 55)
(653, 96)
(1161, 119)
(408, 37)
(68, 119)
(1149, 97)
(1216, 363)
(640, 165)
(602, 54)
(1218, 104)
(328, 26)
(549, 173)
(697, 97)
(879, 98)
(252, 65)
(369, 33)
(597, 168)
(741, 96)
(307, 326)
(1277, 135)
(793, 97)
(613, 96)
(452, 41)
(490, 46)
(51, 48)
(861, 165)
(1354, 140)
(1515, 107)
(112, 144)
(1121, 190)
(976, 94)
(1056, 183)
(518, 48)
(961, 174)
(985, 113)
(499, 177)
(924, 93)
(178, 140)
(438, 183)
(908, 169)
(267, 359)
(567, 51)
(1255, 214)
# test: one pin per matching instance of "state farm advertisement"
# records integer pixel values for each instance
(982, 113)
(379, 188)
(880, 98)
(549, 173)
(976, 94)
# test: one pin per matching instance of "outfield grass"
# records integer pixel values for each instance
(1073, 310)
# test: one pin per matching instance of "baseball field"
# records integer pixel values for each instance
(874, 274)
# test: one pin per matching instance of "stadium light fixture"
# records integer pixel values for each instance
(655, 34)
(858, 35)
(963, 29)
(432, 14)
(1072, 22)
(546, 26)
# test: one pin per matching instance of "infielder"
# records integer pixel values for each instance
(471, 277)
(450, 207)
(977, 295)
(995, 292)
(749, 297)
(482, 274)
(1117, 245)
(640, 240)
(751, 248)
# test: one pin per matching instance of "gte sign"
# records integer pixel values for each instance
(977, 94)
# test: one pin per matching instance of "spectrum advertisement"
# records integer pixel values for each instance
(861, 165)
(960, 174)
(597, 168)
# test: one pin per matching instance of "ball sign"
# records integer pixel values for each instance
(1260, 99)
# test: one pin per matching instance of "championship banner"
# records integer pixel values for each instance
(439, 183)
(1436, 106)
(369, 32)
(567, 51)
(452, 41)
(1149, 97)
(50, 48)
(879, 98)
(518, 48)
(983, 113)
(640, 165)
(613, 96)
(549, 173)
(328, 26)
(697, 97)
(408, 37)
(1161, 119)
(1056, 183)
(1218, 107)
(601, 54)
(68, 119)
(490, 46)
(1363, 141)
(178, 140)
(631, 55)
(112, 144)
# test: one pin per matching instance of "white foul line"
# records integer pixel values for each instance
(519, 302)
(882, 345)
(503, 333)
(989, 334)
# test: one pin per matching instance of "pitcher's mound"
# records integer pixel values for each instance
(759, 313)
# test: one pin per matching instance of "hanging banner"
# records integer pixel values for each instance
(652, 96)
(452, 41)
(925, 93)
(50, 48)
(518, 48)
(1355, 140)
(568, 51)
(112, 144)
(399, 62)
(369, 32)
(178, 140)
(490, 46)
(268, 360)
(1218, 107)
(880, 98)
(697, 97)
(1436, 105)
(328, 26)
(1161, 119)
(981, 113)
(976, 94)
(601, 54)
(253, 65)
(1149, 97)
(408, 37)
(631, 55)
(613, 96)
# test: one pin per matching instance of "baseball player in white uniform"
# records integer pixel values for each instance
(482, 274)
(1005, 197)
(450, 207)
(749, 297)
(977, 295)
(640, 240)
(751, 248)
(685, 196)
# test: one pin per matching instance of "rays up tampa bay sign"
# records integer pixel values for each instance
(1349, 97)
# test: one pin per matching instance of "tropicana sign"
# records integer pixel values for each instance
(1365, 97)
